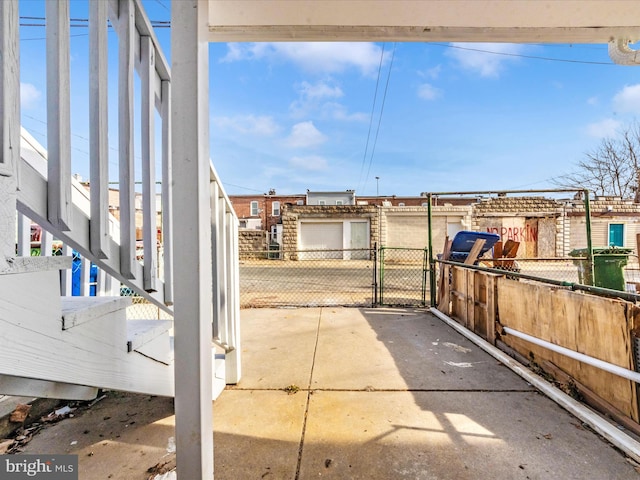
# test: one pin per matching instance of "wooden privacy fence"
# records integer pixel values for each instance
(599, 327)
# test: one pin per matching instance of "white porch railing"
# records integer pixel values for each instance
(45, 193)
(226, 281)
(87, 230)
(38, 184)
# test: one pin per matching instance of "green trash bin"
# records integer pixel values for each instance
(608, 266)
(274, 251)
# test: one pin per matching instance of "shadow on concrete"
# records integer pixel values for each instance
(482, 420)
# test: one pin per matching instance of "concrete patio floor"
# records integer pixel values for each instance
(373, 393)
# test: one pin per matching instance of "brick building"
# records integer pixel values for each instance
(263, 212)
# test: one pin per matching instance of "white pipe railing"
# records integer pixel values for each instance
(581, 357)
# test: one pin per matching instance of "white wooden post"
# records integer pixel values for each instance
(150, 235)
(46, 244)
(216, 260)
(9, 126)
(58, 114)
(223, 271)
(66, 275)
(233, 364)
(192, 250)
(24, 236)
(98, 128)
(126, 63)
(167, 192)
(85, 277)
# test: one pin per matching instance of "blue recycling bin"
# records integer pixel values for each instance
(463, 243)
(76, 277)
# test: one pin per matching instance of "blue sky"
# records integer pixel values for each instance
(333, 116)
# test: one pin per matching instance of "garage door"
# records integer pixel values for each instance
(320, 236)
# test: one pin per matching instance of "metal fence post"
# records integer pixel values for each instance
(587, 215)
(432, 265)
(381, 274)
(425, 267)
(375, 274)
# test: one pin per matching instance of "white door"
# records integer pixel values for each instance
(360, 240)
(453, 228)
(320, 236)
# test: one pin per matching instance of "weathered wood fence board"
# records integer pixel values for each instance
(472, 296)
(595, 326)
(599, 327)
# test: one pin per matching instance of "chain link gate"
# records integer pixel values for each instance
(403, 276)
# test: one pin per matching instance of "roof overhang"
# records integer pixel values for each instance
(513, 21)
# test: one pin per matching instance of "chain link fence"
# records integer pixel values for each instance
(353, 277)
(403, 276)
(308, 278)
(141, 308)
(614, 271)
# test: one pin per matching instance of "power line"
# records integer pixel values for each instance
(243, 188)
(373, 108)
(519, 55)
(163, 5)
(384, 97)
(84, 22)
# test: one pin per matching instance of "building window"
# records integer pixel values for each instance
(401, 204)
(275, 209)
(339, 202)
(616, 234)
(254, 209)
(300, 202)
(321, 202)
(243, 224)
(425, 204)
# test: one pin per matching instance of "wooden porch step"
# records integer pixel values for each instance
(36, 264)
(151, 338)
(11, 385)
(140, 332)
(78, 310)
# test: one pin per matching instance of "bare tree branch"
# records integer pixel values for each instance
(612, 168)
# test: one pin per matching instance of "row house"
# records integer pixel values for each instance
(544, 227)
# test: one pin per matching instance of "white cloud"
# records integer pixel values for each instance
(313, 162)
(252, 124)
(245, 51)
(337, 111)
(603, 129)
(319, 90)
(310, 97)
(487, 59)
(593, 100)
(432, 73)
(29, 95)
(318, 98)
(429, 92)
(305, 134)
(324, 57)
(627, 99)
